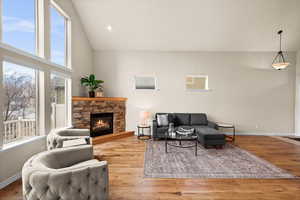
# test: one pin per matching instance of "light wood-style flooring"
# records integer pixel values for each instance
(126, 159)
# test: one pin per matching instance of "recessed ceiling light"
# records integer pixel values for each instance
(109, 28)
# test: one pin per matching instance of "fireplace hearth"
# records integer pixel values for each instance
(101, 124)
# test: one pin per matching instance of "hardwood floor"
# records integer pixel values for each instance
(126, 159)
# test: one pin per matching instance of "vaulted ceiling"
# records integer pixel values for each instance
(191, 25)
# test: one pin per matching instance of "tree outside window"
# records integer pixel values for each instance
(19, 102)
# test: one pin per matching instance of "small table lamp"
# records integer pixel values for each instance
(144, 118)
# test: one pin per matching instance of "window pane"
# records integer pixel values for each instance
(196, 83)
(19, 24)
(19, 103)
(58, 102)
(58, 37)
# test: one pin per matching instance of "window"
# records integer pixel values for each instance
(196, 82)
(31, 86)
(58, 36)
(59, 101)
(145, 83)
(20, 102)
(18, 24)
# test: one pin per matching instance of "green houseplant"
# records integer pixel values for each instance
(92, 84)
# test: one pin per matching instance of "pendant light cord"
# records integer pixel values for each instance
(280, 32)
(280, 42)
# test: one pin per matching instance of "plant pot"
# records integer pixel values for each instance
(91, 94)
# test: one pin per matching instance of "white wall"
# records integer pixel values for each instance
(244, 88)
(82, 52)
(297, 95)
(12, 159)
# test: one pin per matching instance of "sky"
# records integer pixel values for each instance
(11, 68)
(58, 39)
(19, 28)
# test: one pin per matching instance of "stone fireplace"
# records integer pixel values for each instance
(103, 115)
(101, 124)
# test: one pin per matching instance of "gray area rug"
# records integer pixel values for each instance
(229, 162)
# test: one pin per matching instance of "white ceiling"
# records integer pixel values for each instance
(191, 25)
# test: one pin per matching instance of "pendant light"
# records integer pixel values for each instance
(279, 62)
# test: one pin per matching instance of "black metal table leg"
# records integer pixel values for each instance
(196, 144)
(166, 144)
(233, 139)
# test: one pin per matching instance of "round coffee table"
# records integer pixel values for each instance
(180, 139)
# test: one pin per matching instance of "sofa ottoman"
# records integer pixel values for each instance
(210, 137)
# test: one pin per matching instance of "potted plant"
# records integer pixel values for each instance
(92, 84)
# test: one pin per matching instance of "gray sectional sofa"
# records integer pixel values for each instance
(207, 131)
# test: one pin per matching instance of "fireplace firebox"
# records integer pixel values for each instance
(101, 124)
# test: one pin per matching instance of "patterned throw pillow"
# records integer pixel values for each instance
(162, 120)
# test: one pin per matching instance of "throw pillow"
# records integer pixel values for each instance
(162, 120)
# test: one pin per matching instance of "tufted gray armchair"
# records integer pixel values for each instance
(65, 174)
(56, 137)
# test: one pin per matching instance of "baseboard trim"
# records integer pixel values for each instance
(288, 140)
(263, 134)
(10, 180)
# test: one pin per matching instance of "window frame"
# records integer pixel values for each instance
(42, 64)
(1, 107)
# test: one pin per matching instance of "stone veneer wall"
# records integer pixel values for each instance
(82, 110)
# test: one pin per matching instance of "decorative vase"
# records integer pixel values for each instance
(171, 130)
(91, 94)
(99, 94)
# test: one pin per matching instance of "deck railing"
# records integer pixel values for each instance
(19, 129)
